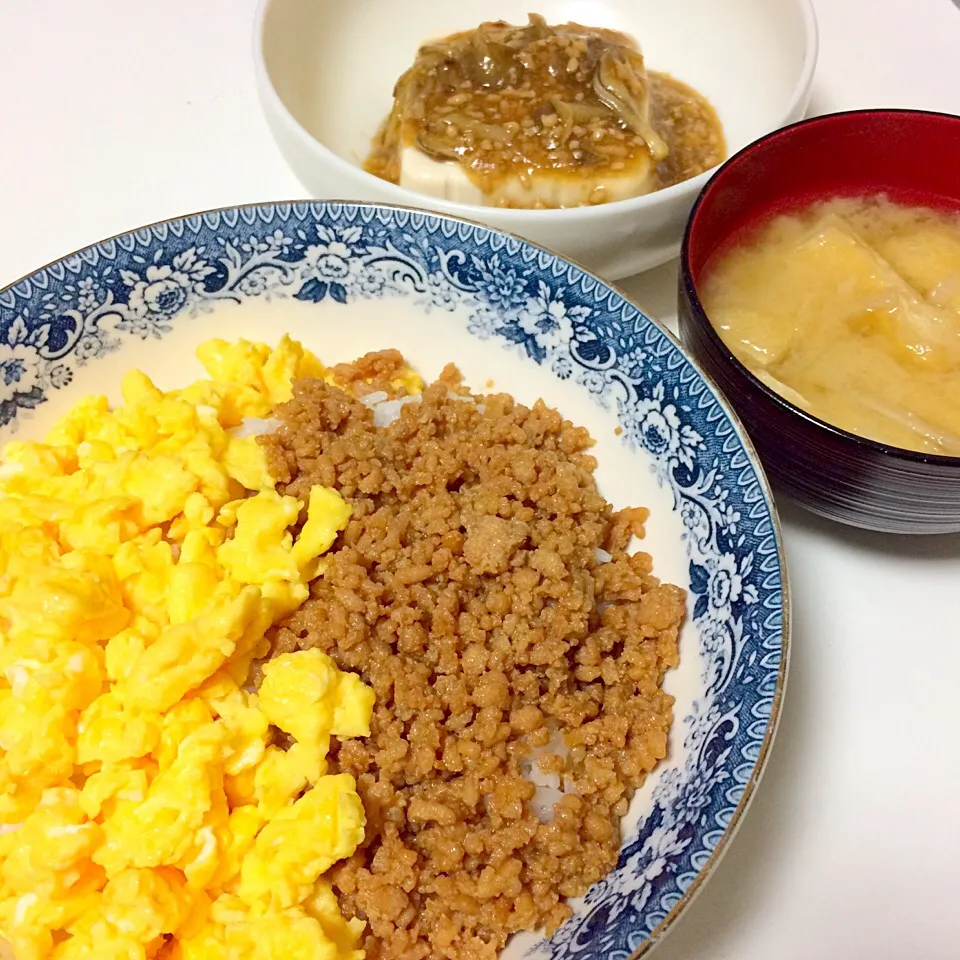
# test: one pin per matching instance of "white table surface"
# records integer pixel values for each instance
(116, 113)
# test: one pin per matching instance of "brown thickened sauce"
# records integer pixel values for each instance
(507, 102)
(689, 125)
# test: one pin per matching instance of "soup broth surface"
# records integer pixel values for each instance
(850, 309)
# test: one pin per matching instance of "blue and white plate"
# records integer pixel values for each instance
(348, 279)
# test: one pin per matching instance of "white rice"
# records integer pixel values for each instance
(254, 427)
(549, 785)
(386, 411)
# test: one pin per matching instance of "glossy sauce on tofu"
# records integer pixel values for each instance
(850, 309)
(514, 107)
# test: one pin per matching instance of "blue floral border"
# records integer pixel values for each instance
(138, 284)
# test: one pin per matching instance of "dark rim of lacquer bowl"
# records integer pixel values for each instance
(863, 169)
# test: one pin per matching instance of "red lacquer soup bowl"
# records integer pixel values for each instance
(911, 156)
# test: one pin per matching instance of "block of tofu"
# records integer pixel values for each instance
(538, 117)
(546, 188)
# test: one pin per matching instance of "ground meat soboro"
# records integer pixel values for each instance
(468, 591)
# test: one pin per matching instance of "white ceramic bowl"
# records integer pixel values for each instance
(326, 71)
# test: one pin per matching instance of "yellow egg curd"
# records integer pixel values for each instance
(144, 552)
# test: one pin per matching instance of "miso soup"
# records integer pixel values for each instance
(850, 309)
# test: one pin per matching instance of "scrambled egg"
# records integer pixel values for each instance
(143, 554)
